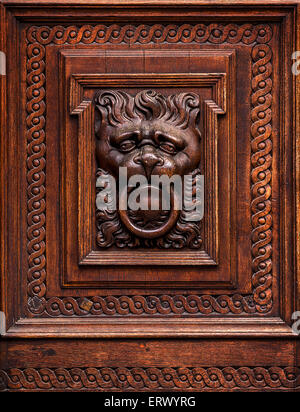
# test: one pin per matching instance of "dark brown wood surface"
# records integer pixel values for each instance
(86, 309)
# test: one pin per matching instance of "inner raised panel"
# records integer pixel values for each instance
(209, 90)
(208, 75)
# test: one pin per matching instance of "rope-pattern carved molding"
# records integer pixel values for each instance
(36, 163)
(151, 378)
(261, 161)
(157, 33)
(139, 305)
(261, 145)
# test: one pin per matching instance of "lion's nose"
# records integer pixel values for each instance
(149, 159)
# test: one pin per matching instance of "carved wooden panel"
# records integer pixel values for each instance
(256, 39)
(190, 237)
(168, 91)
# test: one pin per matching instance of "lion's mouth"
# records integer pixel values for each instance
(149, 219)
(153, 218)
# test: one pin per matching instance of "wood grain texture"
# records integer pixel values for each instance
(231, 333)
(150, 365)
(297, 171)
(150, 3)
(3, 114)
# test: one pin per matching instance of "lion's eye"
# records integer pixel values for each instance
(168, 147)
(127, 145)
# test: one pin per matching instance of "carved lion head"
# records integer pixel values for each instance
(149, 134)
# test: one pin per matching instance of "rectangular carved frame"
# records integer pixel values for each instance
(217, 84)
(83, 108)
(70, 316)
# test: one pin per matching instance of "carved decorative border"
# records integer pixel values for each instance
(261, 161)
(156, 33)
(151, 378)
(255, 35)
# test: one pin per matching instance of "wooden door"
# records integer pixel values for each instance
(125, 299)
